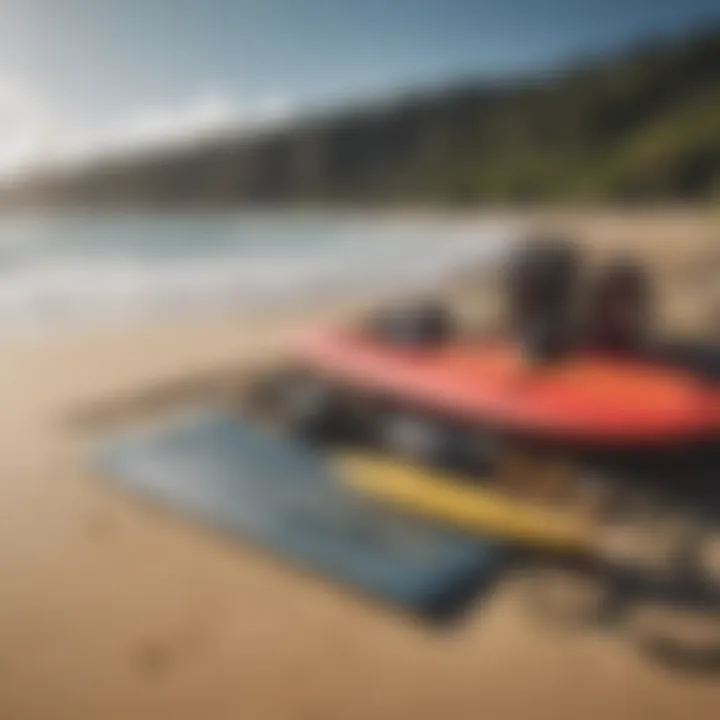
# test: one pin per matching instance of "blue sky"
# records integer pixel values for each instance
(90, 67)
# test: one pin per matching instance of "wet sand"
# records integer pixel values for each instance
(113, 609)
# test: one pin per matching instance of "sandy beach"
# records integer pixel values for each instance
(113, 609)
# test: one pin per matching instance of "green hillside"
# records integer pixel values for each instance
(644, 125)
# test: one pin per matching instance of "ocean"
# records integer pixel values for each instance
(64, 270)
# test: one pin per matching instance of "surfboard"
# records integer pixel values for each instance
(476, 509)
(586, 398)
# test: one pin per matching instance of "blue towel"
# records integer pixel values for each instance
(281, 495)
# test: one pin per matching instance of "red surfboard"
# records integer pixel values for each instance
(586, 398)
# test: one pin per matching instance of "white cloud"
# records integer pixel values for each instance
(24, 132)
(32, 136)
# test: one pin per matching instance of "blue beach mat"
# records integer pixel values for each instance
(282, 496)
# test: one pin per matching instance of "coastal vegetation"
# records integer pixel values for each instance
(640, 126)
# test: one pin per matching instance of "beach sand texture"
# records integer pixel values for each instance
(113, 609)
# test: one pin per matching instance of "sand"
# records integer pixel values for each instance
(112, 609)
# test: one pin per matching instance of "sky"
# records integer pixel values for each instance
(78, 77)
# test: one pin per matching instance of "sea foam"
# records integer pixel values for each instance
(60, 271)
